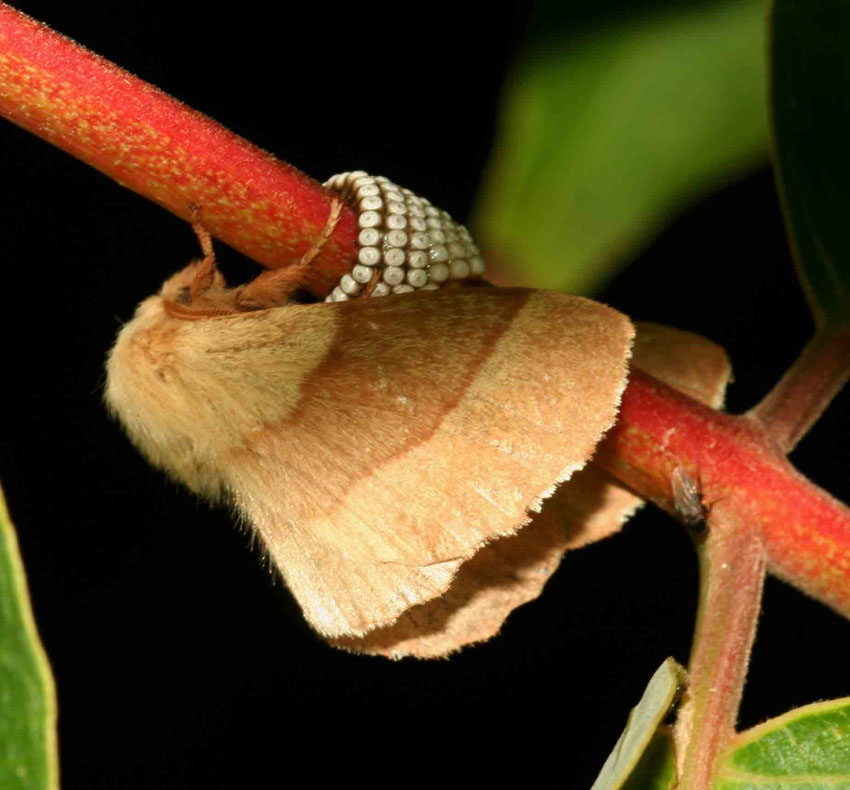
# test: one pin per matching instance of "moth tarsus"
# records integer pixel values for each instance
(205, 270)
(204, 236)
(687, 500)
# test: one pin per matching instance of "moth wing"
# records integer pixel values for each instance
(430, 425)
(589, 507)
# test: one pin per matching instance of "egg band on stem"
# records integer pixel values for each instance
(404, 243)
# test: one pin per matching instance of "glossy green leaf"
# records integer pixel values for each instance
(810, 99)
(805, 749)
(641, 728)
(28, 758)
(604, 138)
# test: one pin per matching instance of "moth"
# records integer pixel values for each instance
(375, 445)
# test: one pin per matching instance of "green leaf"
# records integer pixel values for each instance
(605, 137)
(28, 758)
(657, 768)
(810, 98)
(804, 749)
(641, 727)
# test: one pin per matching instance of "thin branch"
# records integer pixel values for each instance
(167, 152)
(804, 392)
(806, 532)
(732, 571)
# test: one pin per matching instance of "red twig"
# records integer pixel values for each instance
(761, 513)
(732, 570)
(804, 392)
(171, 154)
(806, 532)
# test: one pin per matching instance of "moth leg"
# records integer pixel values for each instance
(370, 286)
(205, 276)
(275, 287)
(206, 295)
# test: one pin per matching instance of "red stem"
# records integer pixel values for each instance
(732, 571)
(804, 392)
(171, 154)
(806, 532)
(761, 513)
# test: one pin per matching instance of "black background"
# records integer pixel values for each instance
(180, 662)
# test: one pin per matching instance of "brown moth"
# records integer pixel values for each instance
(375, 445)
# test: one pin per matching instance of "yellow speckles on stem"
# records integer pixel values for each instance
(163, 150)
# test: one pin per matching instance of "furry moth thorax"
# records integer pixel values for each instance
(158, 375)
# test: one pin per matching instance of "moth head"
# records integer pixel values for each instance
(198, 291)
(147, 387)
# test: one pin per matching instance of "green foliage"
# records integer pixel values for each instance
(638, 753)
(805, 749)
(810, 97)
(27, 700)
(603, 138)
(657, 768)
